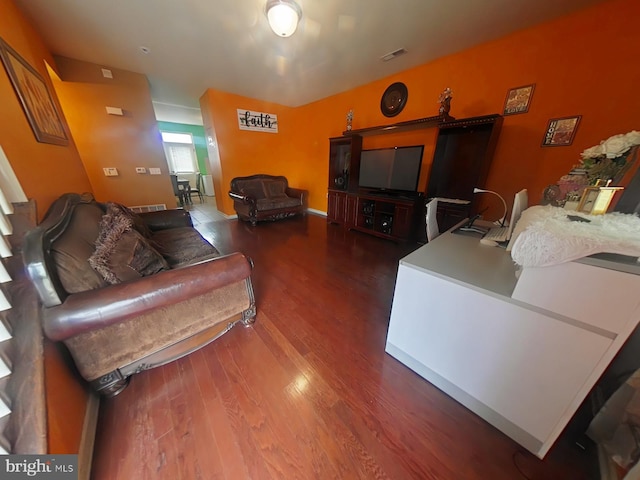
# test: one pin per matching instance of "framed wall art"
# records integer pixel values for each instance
(560, 131)
(36, 100)
(518, 100)
(596, 200)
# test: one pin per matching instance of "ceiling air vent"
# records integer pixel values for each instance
(394, 54)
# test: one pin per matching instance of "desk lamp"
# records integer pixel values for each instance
(504, 204)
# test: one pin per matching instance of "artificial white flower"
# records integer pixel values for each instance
(613, 146)
(593, 152)
(633, 137)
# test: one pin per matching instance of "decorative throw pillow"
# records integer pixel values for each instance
(138, 223)
(122, 253)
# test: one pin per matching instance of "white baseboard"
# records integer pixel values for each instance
(316, 212)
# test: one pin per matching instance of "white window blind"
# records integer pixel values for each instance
(6, 228)
(180, 152)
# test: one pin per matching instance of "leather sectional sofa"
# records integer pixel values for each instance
(126, 292)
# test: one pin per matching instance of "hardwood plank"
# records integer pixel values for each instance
(195, 457)
(271, 435)
(308, 391)
(239, 427)
(222, 436)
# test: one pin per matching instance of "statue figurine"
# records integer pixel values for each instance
(445, 101)
(349, 119)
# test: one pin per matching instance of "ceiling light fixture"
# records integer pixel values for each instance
(283, 16)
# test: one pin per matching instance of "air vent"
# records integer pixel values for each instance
(394, 54)
(148, 208)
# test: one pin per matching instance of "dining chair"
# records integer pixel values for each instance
(197, 189)
(177, 191)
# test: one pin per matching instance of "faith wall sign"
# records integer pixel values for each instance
(257, 121)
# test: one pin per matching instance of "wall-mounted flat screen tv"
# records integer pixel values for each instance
(395, 169)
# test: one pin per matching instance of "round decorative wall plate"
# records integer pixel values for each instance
(394, 99)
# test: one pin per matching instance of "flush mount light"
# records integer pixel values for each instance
(283, 16)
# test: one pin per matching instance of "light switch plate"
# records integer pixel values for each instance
(154, 171)
(110, 171)
(114, 111)
(141, 170)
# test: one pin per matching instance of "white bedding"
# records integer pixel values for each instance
(545, 236)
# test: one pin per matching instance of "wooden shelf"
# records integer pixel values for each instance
(471, 121)
(427, 122)
(441, 121)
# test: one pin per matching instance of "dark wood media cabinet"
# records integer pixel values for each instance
(461, 160)
(385, 216)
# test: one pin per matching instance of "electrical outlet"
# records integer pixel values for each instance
(154, 171)
(141, 170)
(110, 172)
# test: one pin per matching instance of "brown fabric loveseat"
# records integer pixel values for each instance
(126, 292)
(266, 197)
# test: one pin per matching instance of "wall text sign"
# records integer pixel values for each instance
(257, 121)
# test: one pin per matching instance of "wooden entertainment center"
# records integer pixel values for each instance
(461, 161)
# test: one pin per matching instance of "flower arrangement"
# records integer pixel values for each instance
(608, 160)
(603, 163)
(612, 147)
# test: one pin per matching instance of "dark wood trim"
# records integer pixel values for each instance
(426, 122)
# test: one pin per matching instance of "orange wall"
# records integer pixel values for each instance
(124, 142)
(582, 64)
(45, 171)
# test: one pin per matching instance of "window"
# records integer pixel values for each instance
(180, 152)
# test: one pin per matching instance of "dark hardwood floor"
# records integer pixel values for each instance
(308, 391)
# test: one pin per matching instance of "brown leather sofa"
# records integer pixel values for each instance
(127, 292)
(266, 197)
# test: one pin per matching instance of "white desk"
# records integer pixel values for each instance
(522, 353)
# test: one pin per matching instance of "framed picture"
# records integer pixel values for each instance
(518, 100)
(34, 96)
(560, 131)
(596, 200)
(588, 200)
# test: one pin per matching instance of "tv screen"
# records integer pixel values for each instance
(396, 168)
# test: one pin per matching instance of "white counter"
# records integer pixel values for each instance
(522, 352)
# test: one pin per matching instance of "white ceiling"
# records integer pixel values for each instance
(227, 44)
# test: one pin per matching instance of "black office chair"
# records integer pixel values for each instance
(197, 189)
(177, 191)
